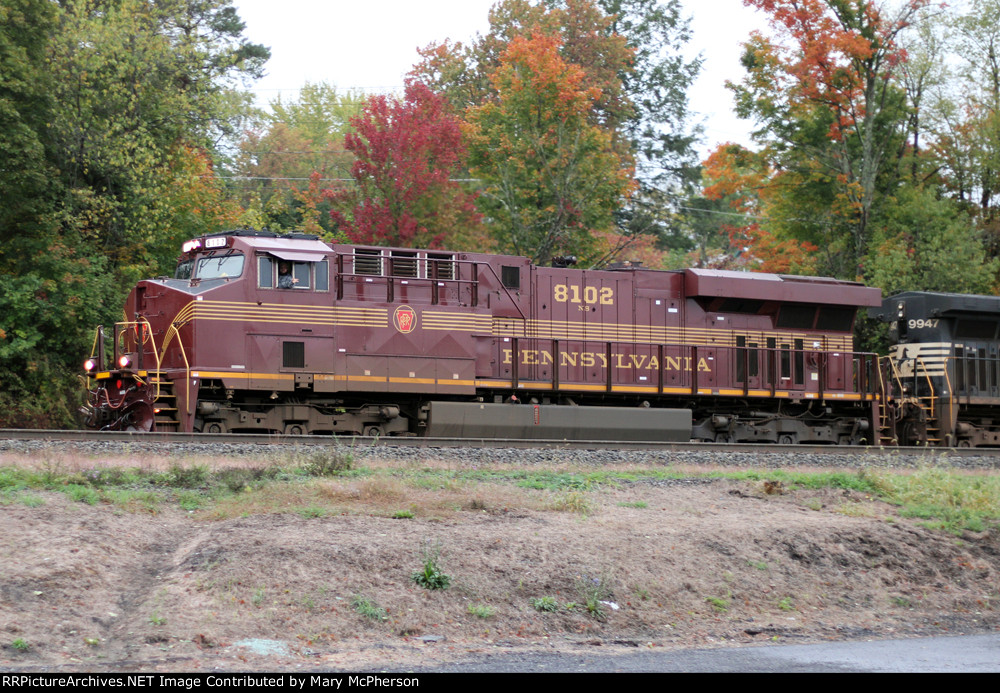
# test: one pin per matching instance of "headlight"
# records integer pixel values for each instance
(124, 361)
(90, 365)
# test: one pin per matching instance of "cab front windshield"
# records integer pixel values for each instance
(219, 266)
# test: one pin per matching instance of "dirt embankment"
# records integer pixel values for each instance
(93, 587)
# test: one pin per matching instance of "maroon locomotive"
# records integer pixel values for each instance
(286, 334)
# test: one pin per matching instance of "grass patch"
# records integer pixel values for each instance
(481, 611)
(368, 608)
(571, 502)
(325, 461)
(21, 645)
(718, 603)
(82, 494)
(328, 479)
(954, 502)
(30, 501)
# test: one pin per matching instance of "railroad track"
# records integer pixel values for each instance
(180, 439)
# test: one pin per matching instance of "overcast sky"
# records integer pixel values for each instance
(372, 44)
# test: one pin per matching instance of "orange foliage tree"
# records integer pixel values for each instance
(551, 176)
(743, 180)
(825, 95)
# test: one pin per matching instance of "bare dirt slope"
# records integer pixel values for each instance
(686, 564)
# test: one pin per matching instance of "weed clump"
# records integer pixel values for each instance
(326, 461)
(544, 604)
(368, 608)
(431, 577)
(180, 476)
(594, 594)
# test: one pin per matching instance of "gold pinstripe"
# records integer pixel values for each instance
(349, 316)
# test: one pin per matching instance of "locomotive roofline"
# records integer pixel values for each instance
(935, 304)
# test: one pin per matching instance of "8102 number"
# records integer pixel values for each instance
(570, 293)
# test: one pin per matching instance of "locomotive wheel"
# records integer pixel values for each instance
(215, 427)
(295, 430)
(374, 431)
(786, 440)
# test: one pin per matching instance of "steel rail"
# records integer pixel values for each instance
(418, 442)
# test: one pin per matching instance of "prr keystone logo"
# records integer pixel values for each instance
(405, 319)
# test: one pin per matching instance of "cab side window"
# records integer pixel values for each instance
(300, 270)
(265, 272)
(322, 275)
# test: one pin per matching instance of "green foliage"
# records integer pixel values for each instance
(368, 608)
(21, 645)
(431, 577)
(297, 140)
(103, 109)
(920, 240)
(544, 604)
(718, 603)
(482, 611)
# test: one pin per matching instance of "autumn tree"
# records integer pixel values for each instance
(745, 183)
(406, 153)
(826, 98)
(630, 51)
(550, 175)
(110, 112)
(294, 152)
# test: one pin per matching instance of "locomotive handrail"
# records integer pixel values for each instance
(502, 286)
(919, 362)
(171, 332)
(951, 393)
(434, 282)
(140, 341)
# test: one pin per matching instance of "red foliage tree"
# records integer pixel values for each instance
(407, 153)
(742, 179)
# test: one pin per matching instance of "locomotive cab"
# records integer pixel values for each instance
(942, 371)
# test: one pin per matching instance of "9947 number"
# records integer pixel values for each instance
(917, 324)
